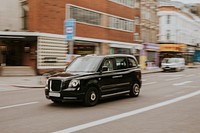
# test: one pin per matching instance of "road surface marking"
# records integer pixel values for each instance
(172, 79)
(169, 75)
(189, 75)
(182, 83)
(150, 83)
(127, 114)
(17, 105)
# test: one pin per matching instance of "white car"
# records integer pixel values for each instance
(173, 64)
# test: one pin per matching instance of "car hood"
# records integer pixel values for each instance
(67, 75)
(63, 74)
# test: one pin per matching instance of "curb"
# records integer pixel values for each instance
(29, 86)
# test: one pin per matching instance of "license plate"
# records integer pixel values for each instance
(54, 94)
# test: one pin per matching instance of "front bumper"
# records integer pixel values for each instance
(169, 68)
(64, 96)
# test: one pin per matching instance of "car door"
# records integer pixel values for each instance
(122, 78)
(134, 72)
(109, 78)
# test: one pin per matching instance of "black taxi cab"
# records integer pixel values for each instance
(91, 78)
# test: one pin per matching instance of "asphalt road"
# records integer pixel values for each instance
(169, 103)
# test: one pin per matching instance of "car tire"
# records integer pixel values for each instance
(135, 90)
(91, 97)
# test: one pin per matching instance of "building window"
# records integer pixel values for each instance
(25, 9)
(130, 3)
(136, 36)
(121, 24)
(168, 19)
(86, 16)
(137, 20)
(137, 3)
(168, 34)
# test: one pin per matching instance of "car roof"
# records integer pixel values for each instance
(112, 55)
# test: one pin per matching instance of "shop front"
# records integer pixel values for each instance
(189, 54)
(172, 50)
(85, 47)
(132, 49)
(150, 56)
(197, 54)
(40, 52)
(17, 50)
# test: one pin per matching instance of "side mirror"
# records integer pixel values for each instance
(104, 68)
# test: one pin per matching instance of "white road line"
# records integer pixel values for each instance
(149, 83)
(189, 75)
(17, 105)
(127, 114)
(182, 83)
(180, 75)
(172, 79)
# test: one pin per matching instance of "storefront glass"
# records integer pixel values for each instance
(151, 56)
(120, 51)
(85, 48)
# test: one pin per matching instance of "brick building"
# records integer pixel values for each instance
(100, 24)
(102, 27)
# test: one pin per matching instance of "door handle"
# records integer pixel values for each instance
(117, 76)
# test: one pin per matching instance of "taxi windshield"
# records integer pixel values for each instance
(85, 64)
(169, 60)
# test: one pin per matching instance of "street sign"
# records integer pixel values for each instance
(69, 29)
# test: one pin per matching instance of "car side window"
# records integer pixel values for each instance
(109, 64)
(121, 63)
(131, 63)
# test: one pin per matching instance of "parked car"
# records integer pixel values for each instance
(91, 78)
(173, 64)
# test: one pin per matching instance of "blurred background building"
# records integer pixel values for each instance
(179, 31)
(149, 31)
(36, 37)
(33, 32)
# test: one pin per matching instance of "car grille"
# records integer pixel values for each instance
(55, 85)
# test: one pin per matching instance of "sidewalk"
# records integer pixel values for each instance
(24, 81)
(39, 81)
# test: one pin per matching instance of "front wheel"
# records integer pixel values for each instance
(91, 97)
(135, 90)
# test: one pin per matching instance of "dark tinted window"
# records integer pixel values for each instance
(131, 62)
(109, 63)
(121, 63)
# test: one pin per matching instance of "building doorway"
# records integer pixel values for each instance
(11, 54)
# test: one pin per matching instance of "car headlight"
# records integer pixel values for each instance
(74, 83)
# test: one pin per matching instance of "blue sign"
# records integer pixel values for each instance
(70, 29)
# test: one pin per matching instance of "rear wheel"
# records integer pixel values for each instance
(135, 90)
(91, 97)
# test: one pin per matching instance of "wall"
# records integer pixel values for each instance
(10, 15)
(48, 16)
(183, 29)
